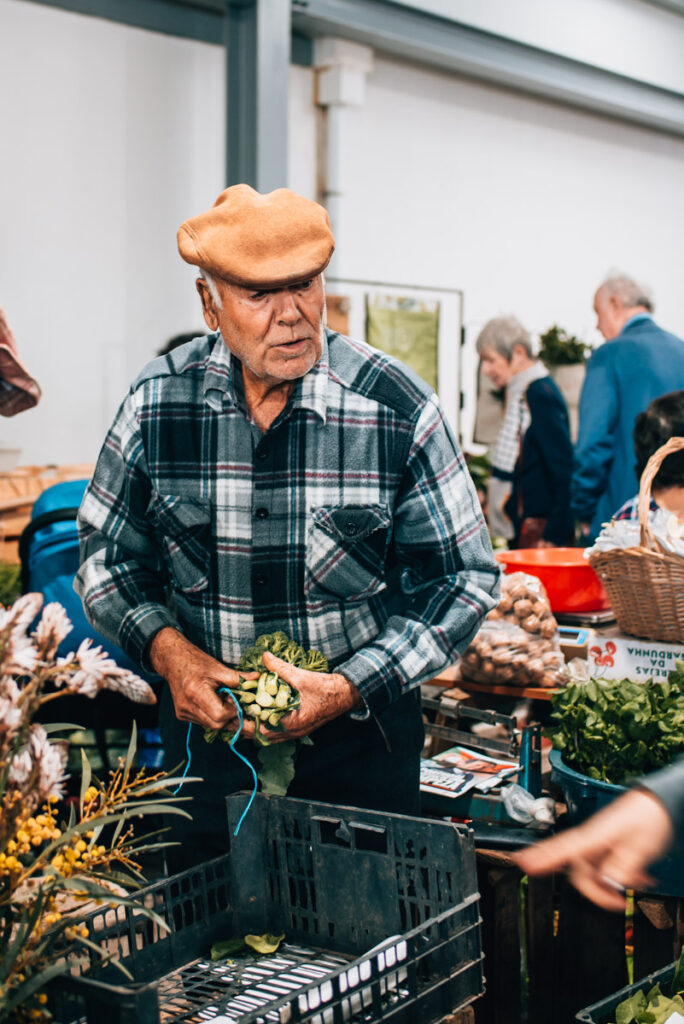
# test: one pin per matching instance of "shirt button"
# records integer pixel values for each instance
(261, 513)
(263, 453)
(350, 528)
(260, 579)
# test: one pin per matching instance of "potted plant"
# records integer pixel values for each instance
(564, 355)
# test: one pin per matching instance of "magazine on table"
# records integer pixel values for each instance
(458, 769)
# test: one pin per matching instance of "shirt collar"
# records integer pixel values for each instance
(635, 320)
(310, 392)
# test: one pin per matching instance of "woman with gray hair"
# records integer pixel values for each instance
(529, 490)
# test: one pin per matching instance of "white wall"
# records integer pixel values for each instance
(111, 137)
(631, 37)
(522, 204)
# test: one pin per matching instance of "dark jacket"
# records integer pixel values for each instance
(541, 480)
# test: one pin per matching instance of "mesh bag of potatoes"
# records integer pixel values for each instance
(518, 641)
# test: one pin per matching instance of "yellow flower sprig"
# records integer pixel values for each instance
(43, 861)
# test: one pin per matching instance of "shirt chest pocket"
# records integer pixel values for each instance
(346, 551)
(184, 530)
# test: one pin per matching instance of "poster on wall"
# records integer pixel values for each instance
(407, 328)
(421, 326)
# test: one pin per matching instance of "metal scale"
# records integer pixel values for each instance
(485, 812)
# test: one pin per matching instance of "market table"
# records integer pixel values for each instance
(451, 676)
(549, 952)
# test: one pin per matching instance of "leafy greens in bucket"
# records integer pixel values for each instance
(613, 730)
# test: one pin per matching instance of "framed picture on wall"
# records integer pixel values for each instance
(420, 326)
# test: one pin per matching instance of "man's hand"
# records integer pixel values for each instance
(608, 852)
(193, 678)
(323, 696)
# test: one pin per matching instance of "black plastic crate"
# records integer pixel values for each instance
(601, 1013)
(380, 913)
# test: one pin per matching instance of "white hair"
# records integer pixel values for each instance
(631, 293)
(502, 334)
(211, 285)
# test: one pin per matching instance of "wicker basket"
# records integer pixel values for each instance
(645, 584)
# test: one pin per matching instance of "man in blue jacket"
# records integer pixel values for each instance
(640, 362)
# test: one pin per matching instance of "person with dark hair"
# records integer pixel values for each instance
(639, 362)
(663, 419)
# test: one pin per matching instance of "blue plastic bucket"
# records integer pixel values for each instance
(585, 796)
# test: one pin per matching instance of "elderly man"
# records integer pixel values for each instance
(640, 363)
(275, 475)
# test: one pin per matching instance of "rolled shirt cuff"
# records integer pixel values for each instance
(139, 628)
(366, 675)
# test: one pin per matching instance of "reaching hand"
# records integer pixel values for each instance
(609, 852)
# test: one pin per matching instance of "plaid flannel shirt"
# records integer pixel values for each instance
(351, 523)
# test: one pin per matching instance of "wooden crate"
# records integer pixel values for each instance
(18, 492)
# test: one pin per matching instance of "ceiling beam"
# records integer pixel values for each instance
(439, 42)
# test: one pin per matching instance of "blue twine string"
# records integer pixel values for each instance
(225, 689)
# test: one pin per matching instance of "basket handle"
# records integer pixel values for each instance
(675, 444)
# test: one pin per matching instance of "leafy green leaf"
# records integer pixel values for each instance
(677, 986)
(277, 767)
(227, 948)
(629, 1009)
(264, 943)
(86, 774)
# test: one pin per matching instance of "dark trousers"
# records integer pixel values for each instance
(373, 764)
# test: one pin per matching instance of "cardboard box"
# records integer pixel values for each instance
(614, 655)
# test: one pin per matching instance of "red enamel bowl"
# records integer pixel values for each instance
(569, 580)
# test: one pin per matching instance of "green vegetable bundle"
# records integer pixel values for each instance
(653, 1007)
(613, 730)
(267, 700)
(279, 643)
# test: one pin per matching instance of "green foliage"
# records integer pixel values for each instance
(10, 583)
(267, 700)
(279, 643)
(558, 348)
(615, 729)
(277, 767)
(653, 1007)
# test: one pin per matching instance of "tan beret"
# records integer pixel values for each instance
(259, 241)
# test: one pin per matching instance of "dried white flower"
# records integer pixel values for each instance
(49, 759)
(131, 686)
(97, 671)
(22, 613)
(53, 762)
(20, 768)
(53, 627)
(21, 657)
(11, 717)
(9, 689)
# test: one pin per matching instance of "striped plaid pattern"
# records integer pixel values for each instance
(630, 509)
(352, 523)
